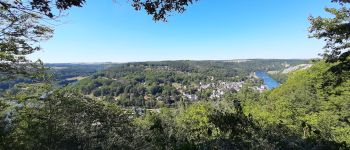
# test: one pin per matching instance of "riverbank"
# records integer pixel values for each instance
(268, 81)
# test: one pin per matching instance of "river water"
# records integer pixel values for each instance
(268, 81)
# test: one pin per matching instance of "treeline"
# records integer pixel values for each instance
(158, 84)
(279, 77)
(60, 72)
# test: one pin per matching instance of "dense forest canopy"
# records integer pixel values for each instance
(140, 84)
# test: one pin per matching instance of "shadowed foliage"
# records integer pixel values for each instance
(335, 31)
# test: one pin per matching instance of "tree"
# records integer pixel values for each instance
(62, 119)
(23, 25)
(160, 9)
(335, 31)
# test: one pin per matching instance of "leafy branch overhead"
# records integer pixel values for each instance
(21, 30)
(24, 24)
(335, 31)
(160, 9)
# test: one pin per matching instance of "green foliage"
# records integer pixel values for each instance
(316, 97)
(209, 125)
(138, 84)
(160, 9)
(63, 119)
(279, 77)
(22, 28)
(194, 124)
(309, 111)
(335, 31)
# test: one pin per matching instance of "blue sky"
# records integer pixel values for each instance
(209, 30)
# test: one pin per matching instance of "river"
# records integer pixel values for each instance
(268, 81)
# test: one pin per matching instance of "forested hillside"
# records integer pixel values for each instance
(158, 84)
(314, 103)
(61, 74)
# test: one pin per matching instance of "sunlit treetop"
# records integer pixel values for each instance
(334, 31)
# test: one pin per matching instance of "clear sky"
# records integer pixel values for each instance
(107, 31)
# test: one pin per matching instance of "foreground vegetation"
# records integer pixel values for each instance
(309, 111)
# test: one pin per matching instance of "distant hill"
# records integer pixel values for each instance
(66, 73)
(158, 83)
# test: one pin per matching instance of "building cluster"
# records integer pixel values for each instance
(218, 89)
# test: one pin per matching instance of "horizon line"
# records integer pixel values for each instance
(121, 62)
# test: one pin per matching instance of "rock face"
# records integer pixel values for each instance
(298, 67)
